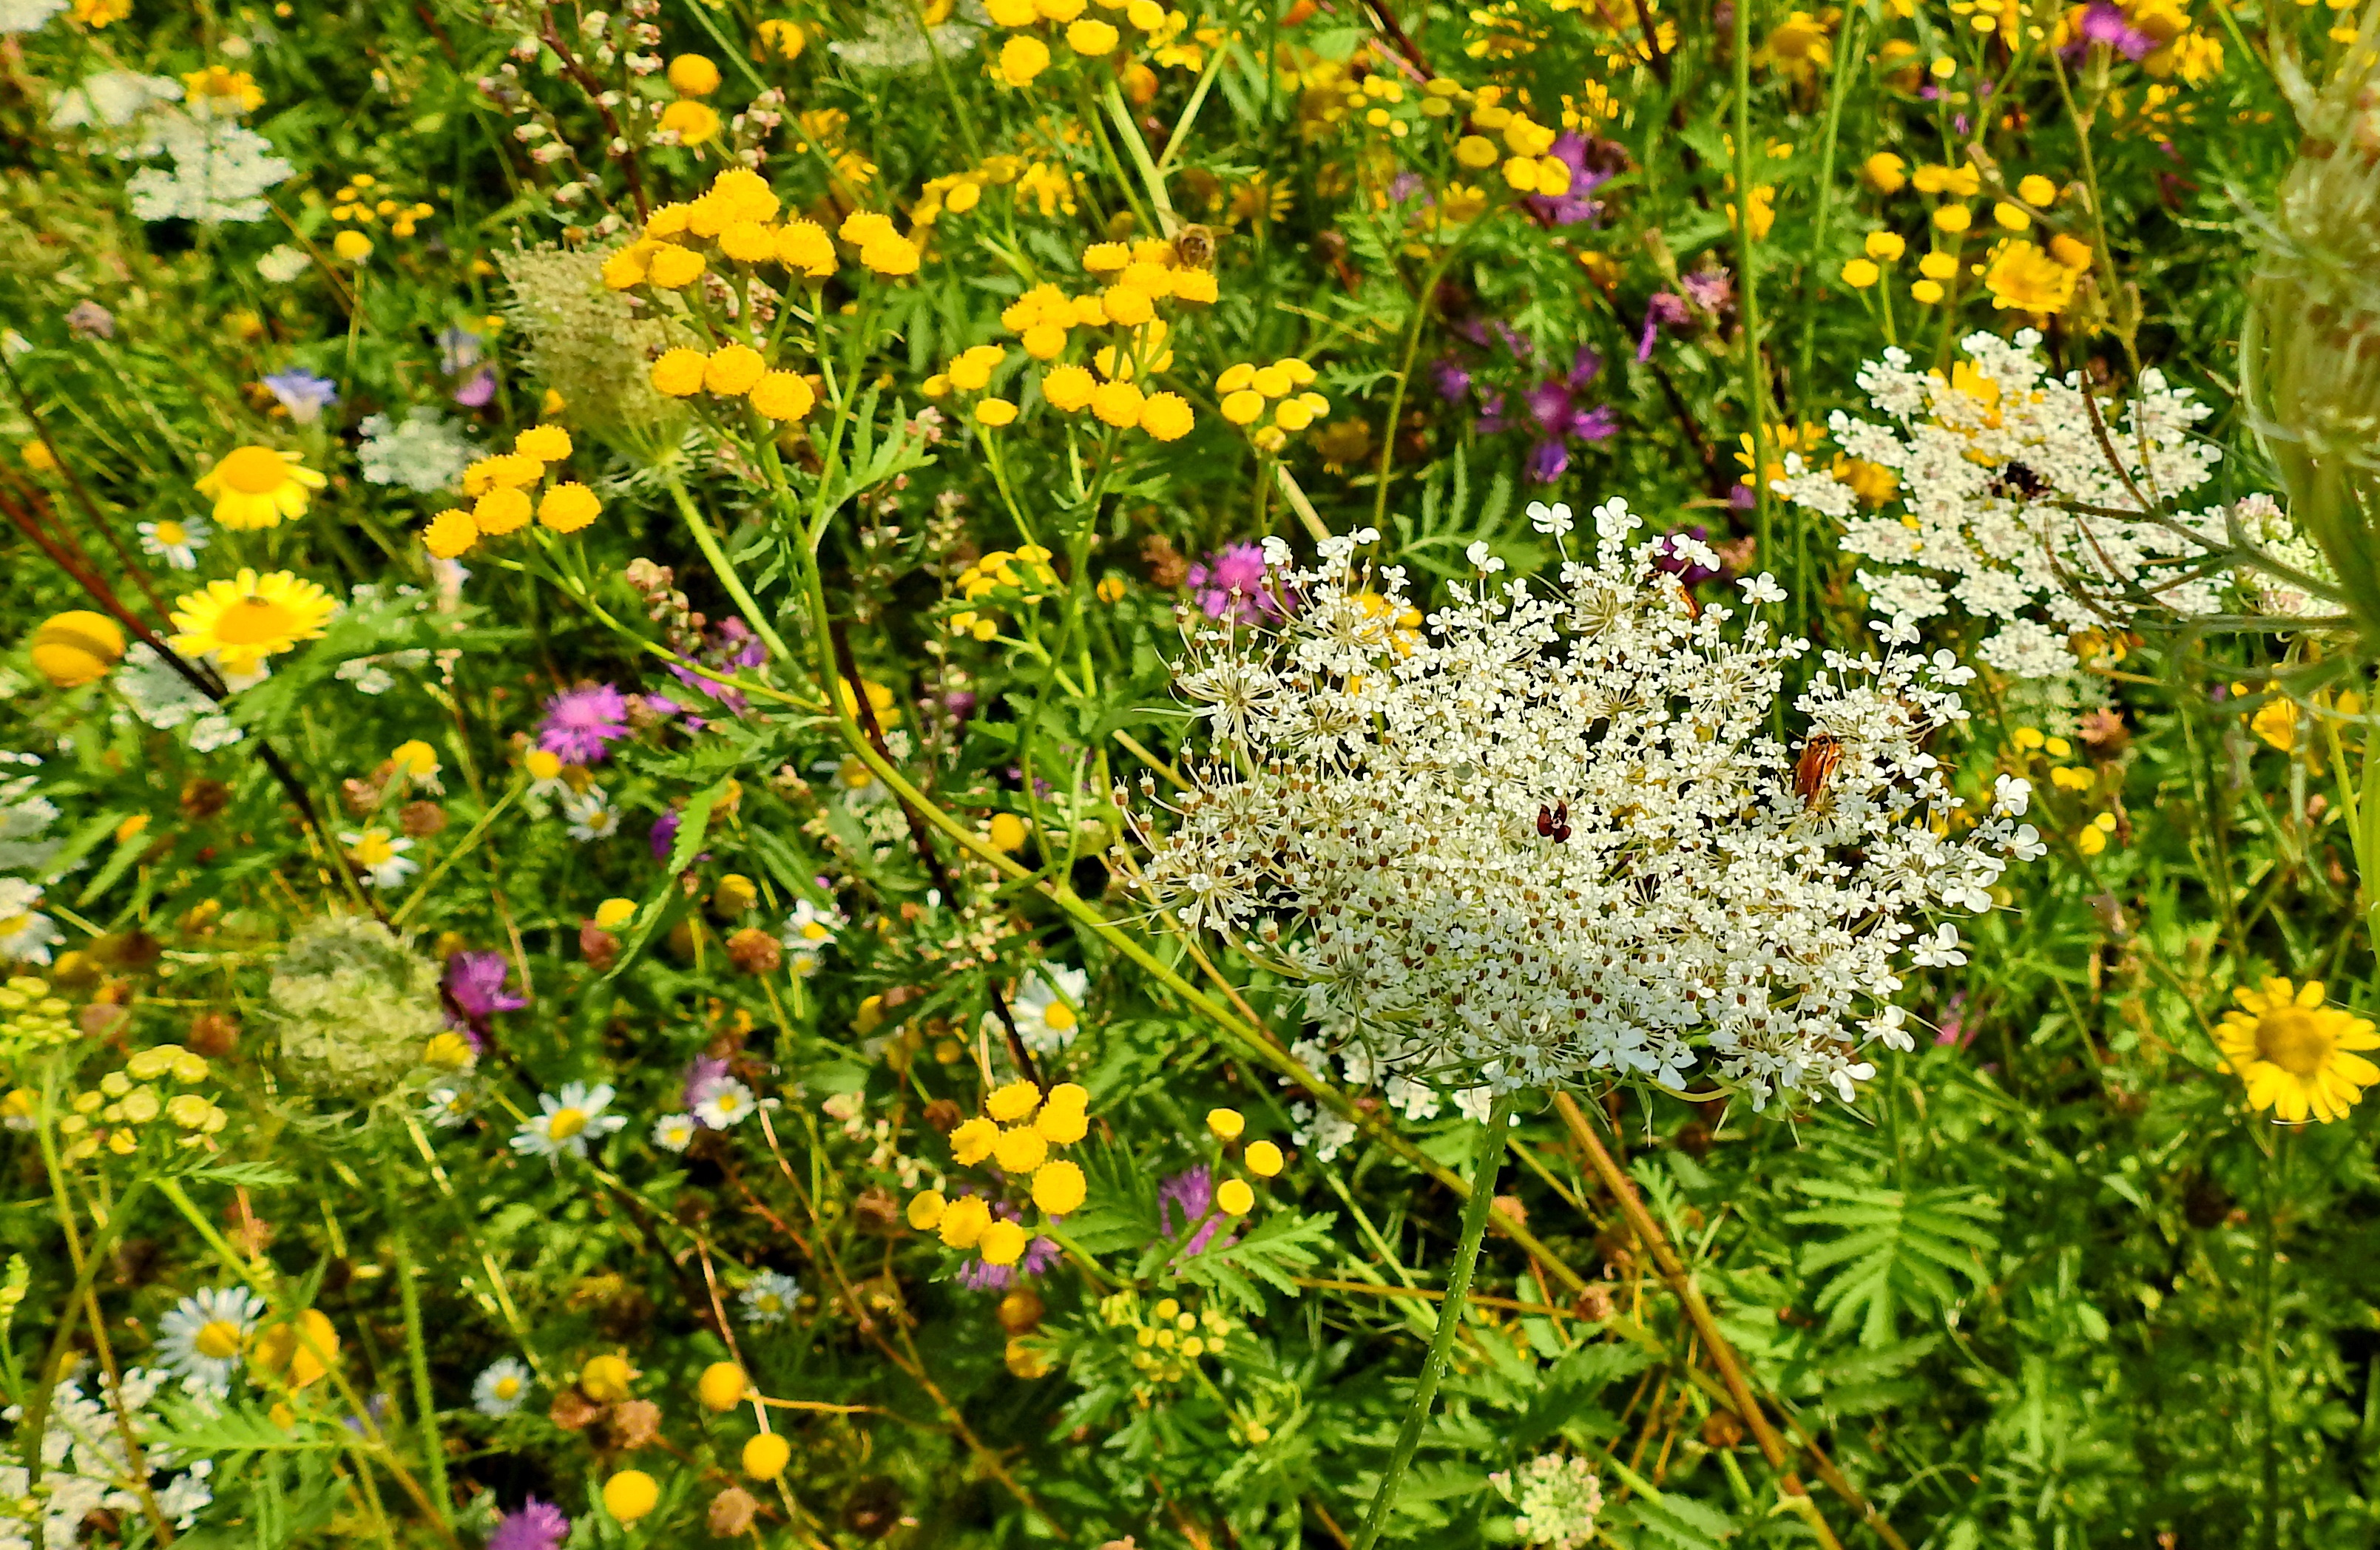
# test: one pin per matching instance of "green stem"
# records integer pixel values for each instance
(1755, 397)
(2269, 1525)
(417, 1351)
(1450, 1318)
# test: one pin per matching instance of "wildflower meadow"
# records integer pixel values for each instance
(1189, 774)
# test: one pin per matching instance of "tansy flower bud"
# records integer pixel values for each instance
(674, 268)
(891, 254)
(721, 1386)
(963, 1223)
(1127, 307)
(352, 246)
(1168, 416)
(1011, 13)
(1244, 407)
(693, 122)
(625, 268)
(925, 1210)
(1058, 10)
(1233, 1198)
(1886, 246)
(1938, 266)
(1092, 38)
(2037, 191)
(1020, 1149)
(547, 443)
(631, 1494)
(1953, 218)
(971, 370)
(748, 242)
(1195, 286)
(733, 370)
(1071, 1096)
(766, 1456)
(693, 76)
(1063, 1126)
(1068, 388)
(1045, 341)
(612, 913)
(1227, 1123)
(745, 193)
(669, 220)
(782, 396)
(1860, 274)
(1885, 172)
(804, 246)
(451, 532)
(1926, 291)
(1002, 1243)
(1475, 151)
(679, 373)
(569, 507)
(500, 511)
(1006, 832)
(2009, 217)
(1058, 1188)
(1117, 404)
(972, 1142)
(1023, 58)
(1263, 1158)
(1013, 1101)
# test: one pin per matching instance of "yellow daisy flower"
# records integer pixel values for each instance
(256, 487)
(2293, 1051)
(251, 617)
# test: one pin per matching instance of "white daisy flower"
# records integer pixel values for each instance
(674, 1133)
(722, 1102)
(380, 856)
(446, 1107)
(590, 814)
(203, 1338)
(1048, 1007)
(570, 1118)
(810, 931)
(501, 1388)
(25, 932)
(177, 543)
(769, 1298)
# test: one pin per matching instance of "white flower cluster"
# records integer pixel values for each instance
(221, 170)
(1983, 460)
(25, 934)
(1560, 1499)
(164, 699)
(425, 452)
(1549, 834)
(85, 1469)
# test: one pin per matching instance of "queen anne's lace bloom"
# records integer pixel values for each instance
(1549, 833)
(1984, 460)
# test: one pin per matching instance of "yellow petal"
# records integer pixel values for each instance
(2311, 994)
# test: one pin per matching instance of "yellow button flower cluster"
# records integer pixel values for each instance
(127, 1103)
(737, 218)
(1041, 25)
(363, 201)
(1167, 1337)
(1015, 1132)
(1237, 1197)
(1022, 574)
(1247, 389)
(499, 487)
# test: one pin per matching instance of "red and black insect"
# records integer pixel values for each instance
(1815, 767)
(1553, 823)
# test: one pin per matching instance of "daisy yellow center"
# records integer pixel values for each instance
(171, 533)
(813, 931)
(253, 471)
(729, 1103)
(565, 1124)
(217, 1340)
(255, 621)
(11, 926)
(770, 1302)
(373, 849)
(1060, 1016)
(507, 1386)
(2297, 1040)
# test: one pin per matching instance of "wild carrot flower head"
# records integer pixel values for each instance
(1551, 833)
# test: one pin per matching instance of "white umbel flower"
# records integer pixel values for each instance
(1551, 834)
(1988, 466)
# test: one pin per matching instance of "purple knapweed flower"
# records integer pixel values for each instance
(2103, 23)
(1713, 290)
(700, 1073)
(581, 723)
(1040, 1254)
(1230, 583)
(537, 1526)
(1451, 379)
(301, 393)
(1559, 419)
(475, 983)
